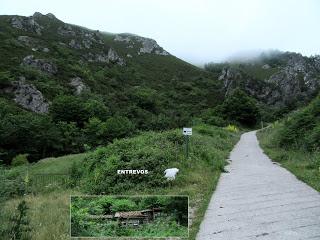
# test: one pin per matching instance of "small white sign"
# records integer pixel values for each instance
(187, 131)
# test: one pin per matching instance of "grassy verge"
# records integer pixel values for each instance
(197, 178)
(303, 164)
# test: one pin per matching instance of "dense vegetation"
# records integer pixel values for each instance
(151, 92)
(172, 220)
(280, 81)
(294, 142)
(198, 175)
(237, 108)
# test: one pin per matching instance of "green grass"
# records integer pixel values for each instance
(59, 165)
(303, 164)
(198, 177)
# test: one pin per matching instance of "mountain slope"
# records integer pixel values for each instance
(67, 57)
(67, 82)
(281, 80)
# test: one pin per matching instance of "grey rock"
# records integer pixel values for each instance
(27, 41)
(114, 57)
(150, 46)
(111, 57)
(66, 30)
(50, 15)
(119, 38)
(87, 43)
(266, 66)
(229, 76)
(40, 64)
(26, 24)
(37, 15)
(297, 79)
(74, 44)
(17, 22)
(129, 55)
(46, 50)
(27, 96)
(78, 84)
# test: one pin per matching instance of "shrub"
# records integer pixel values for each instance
(20, 159)
(20, 223)
(240, 107)
(232, 128)
(68, 109)
(302, 128)
(118, 127)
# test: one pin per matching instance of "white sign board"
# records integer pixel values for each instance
(187, 131)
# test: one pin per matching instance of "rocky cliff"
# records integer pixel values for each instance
(280, 79)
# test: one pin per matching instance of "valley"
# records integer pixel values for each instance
(79, 105)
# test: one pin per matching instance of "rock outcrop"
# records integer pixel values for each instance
(78, 84)
(147, 45)
(110, 57)
(150, 46)
(74, 44)
(27, 41)
(296, 79)
(66, 30)
(26, 24)
(27, 96)
(113, 57)
(40, 64)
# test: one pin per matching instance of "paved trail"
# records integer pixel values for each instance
(257, 199)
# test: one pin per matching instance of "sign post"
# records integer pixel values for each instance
(187, 132)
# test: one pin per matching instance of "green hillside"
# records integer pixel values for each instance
(64, 81)
(279, 81)
(96, 173)
(295, 143)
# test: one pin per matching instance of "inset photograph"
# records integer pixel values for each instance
(129, 216)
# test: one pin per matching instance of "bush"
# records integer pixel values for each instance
(118, 127)
(213, 117)
(232, 128)
(20, 159)
(151, 151)
(302, 128)
(68, 109)
(240, 107)
(20, 223)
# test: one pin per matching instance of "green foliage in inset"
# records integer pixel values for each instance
(85, 213)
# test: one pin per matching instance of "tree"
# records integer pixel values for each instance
(68, 109)
(95, 132)
(98, 109)
(29, 133)
(71, 137)
(20, 223)
(240, 107)
(118, 127)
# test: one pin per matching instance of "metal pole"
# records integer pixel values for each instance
(187, 146)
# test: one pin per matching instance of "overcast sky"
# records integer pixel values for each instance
(197, 31)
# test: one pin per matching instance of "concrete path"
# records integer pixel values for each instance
(258, 199)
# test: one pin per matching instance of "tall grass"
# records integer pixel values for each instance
(302, 163)
(197, 178)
